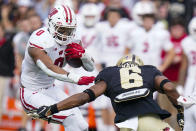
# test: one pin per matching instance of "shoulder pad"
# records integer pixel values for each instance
(42, 39)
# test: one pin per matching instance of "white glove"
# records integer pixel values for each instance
(186, 102)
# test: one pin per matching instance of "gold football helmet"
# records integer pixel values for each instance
(130, 60)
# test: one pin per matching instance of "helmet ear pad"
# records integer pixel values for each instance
(62, 24)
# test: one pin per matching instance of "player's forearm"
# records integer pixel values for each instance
(67, 77)
(88, 62)
(182, 73)
(181, 78)
(171, 93)
(168, 60)
(73, 101)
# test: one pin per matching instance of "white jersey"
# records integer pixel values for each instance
(112, 41)
(32, 76)
(88, 37)
(189, 49)
(149, 45)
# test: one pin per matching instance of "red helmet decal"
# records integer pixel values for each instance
(52, 12)
(66, 13)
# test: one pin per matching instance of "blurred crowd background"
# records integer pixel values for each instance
(108, 29)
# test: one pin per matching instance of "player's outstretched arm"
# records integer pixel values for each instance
(74, 101)
(44, 62)
(163, 85)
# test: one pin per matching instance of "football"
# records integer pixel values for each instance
(76, 63)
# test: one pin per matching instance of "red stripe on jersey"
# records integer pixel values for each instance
(59, 117)
(36, 46)
(70, 14)
(65, 13)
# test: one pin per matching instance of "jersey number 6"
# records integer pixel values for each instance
(130, 77)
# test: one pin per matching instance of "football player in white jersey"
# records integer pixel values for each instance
(86, 28)
(45, 55)
(89, 16)
(148, 41)
(188, 73)
(112, 35)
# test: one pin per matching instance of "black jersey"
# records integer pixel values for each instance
(131, 91)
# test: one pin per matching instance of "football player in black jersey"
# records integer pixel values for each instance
(130, 86)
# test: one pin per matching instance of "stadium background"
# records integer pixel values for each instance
(19, 18)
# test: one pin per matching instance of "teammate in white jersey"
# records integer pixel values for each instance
(93, 111)
(188, 70)
(86, 28)
(44, 57)
(112, 36)
(148, 41)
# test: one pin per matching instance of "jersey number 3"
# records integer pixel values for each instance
(131, 77)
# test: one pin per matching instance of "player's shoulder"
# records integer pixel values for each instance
(187, 39)
(148, 67)
(108, 70)
(106, 74)
(150, 70)
(42, 38)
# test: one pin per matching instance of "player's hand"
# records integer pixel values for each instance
(85, 80)
(44, 111)
(74, 50)
(186, 101)
(41, 112)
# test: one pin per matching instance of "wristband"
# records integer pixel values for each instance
(163, 82)
(91, 94)
(54, 109)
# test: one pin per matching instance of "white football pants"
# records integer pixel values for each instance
(71, 119)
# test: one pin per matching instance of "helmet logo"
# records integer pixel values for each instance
(59, 23)
(52, 12)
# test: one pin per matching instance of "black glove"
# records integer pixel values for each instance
(180, 116)
(45, 111)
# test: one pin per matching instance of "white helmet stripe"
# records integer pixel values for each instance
(66, 13)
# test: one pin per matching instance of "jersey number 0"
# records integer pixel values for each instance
(131, 77)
